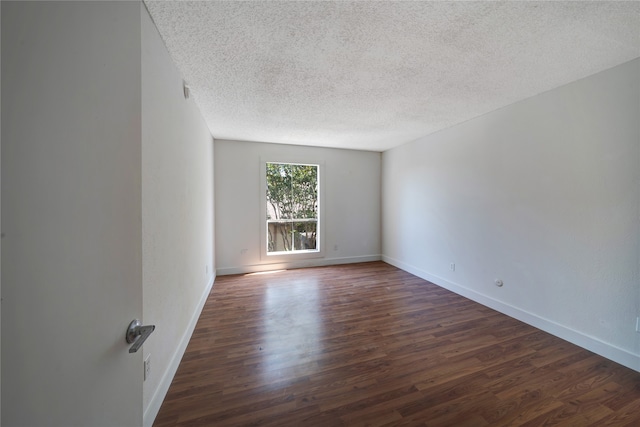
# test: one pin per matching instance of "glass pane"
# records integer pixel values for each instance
(279, 201)
(279, 236)
(304, 191)
(304, 235)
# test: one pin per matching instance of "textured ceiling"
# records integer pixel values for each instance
(373, 75)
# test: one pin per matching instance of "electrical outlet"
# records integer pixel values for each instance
(637, 324)
(147, 367)
(452, 266)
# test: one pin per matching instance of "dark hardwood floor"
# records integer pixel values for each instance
(370, 345)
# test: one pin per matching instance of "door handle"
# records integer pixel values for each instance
(137, 334)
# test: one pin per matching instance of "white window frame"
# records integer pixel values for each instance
(275, 257)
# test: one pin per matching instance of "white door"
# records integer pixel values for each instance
(71, 207)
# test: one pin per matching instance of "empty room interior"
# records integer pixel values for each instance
(332, 213)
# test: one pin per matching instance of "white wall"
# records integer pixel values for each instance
(351, 205)
(0, 224)
(177, 214)
(543, 194)
(71, 191)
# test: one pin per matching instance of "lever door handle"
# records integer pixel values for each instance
(137, 334)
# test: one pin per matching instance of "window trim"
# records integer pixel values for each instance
(297, 255)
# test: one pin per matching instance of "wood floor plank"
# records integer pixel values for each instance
(371, 345)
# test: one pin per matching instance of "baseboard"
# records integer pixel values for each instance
(312, 262)
(151, 412)
(580, 339)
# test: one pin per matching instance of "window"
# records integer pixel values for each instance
(292, 208)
